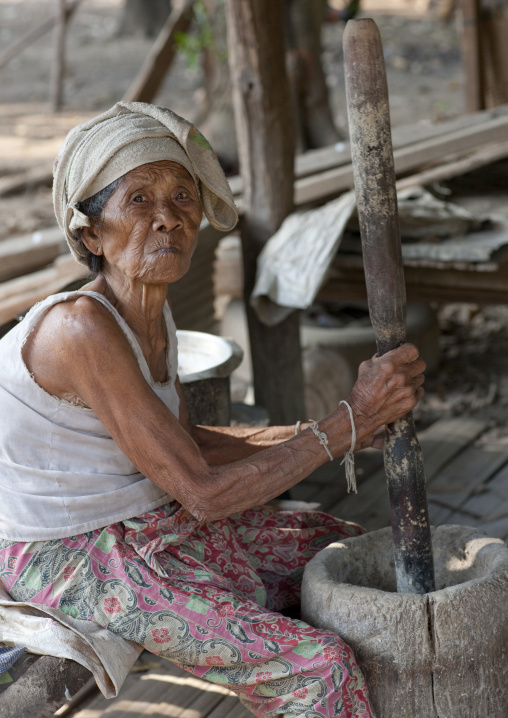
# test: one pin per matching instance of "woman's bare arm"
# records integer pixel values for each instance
(79, 351)
(225, 444)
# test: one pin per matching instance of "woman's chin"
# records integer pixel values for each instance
(165, 272)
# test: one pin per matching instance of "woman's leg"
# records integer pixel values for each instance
(190, 615)
(279, 544)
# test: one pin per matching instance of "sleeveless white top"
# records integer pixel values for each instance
(61, 473)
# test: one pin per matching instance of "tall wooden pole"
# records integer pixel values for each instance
(374, 176)
(265, 133)
(472, 56)
(59, 58)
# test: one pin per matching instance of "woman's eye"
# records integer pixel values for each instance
(139, 198)
(182, 195)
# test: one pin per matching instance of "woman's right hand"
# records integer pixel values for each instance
(387, 388)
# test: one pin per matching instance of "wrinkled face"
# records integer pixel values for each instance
(150, 224)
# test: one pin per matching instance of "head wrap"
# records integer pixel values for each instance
(128, 135)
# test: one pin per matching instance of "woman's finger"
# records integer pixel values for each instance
(405, 354)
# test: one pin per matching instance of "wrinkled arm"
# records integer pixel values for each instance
(80, 351)
(225, 444)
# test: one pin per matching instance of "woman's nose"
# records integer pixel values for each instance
(165, 219)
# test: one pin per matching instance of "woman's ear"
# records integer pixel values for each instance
(90, 237)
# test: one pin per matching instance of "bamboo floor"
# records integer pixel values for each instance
(466, 462)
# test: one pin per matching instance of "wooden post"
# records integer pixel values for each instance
(472, 56)
(59, 58)
(374, 175)
(149, 79)
(266, 148)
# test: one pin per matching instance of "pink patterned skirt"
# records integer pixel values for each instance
(208, 597)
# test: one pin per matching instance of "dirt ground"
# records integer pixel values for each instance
(425, 82)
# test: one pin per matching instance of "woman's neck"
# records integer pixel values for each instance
(142, 307)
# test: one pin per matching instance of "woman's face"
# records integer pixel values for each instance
(150, 224)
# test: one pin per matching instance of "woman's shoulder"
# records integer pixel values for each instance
(75, 316)
(74, 337)
(72, 327)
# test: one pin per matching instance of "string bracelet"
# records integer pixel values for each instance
(349, 457)
(320, 435)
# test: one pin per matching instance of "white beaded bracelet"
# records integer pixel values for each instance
(349, 457)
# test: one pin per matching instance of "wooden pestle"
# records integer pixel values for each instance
(374, 177)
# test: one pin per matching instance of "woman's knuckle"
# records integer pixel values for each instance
(388, 367)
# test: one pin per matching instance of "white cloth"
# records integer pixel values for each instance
(61, 473)
(50, 632)
(294, 262)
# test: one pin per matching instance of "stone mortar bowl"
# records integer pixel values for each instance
(439, 655)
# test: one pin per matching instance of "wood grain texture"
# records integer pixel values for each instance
(472, 55)
(376, 197)
(266, 147)
(409, 158)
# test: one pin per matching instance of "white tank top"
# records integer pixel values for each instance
(61, 473)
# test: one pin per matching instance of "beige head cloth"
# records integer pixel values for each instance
(128, 135)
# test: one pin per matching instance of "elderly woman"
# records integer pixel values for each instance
(114, 508)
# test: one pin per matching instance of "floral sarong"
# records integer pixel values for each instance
(206, 596)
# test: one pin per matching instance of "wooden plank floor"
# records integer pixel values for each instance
(466, 463)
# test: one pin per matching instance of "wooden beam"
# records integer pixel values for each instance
(21, 181)
(326, 172)
(325, 158)
(422, 284)
(314, 162)
(27, 252)
(22, 293)
(407, 159)
(145, 86)
(453, 167)
(265, 132)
